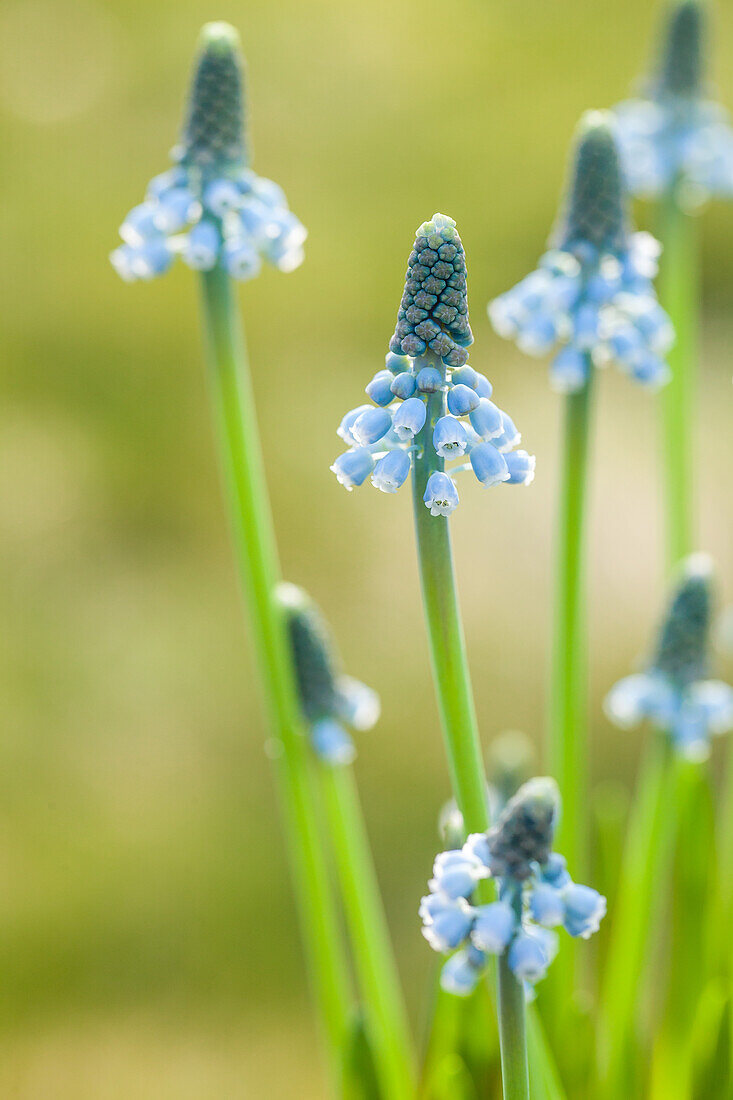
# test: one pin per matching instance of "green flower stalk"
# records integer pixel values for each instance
(675, 694)
(222, 219)
(432, 410)
(677, 149)
(592, 299)
(329, 700)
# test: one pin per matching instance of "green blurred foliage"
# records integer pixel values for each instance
(148, 944)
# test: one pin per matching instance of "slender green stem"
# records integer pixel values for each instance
(679, 295)
(456, 706)
(512, 1028)
(445, 636)
(633, 925)
(375, 964)
(258, 566)
(567, 733)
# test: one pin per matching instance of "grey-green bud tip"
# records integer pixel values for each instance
(682, 647)
(313, 650)
(525, 829)
(596, 207)
(680, 70)
(213, 136)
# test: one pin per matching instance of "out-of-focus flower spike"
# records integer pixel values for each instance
(673, 692)
(327, 698)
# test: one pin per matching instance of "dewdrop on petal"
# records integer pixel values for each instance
(536, 895)
(591, 300)
(329, 701)
(427, 366)
(211, 207)
(674, 692)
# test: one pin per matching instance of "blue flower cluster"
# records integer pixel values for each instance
(674, 692)
(535, 895)
(591, 297)
(329, 700)
(427, 369)
(211, 208)
(673, 137)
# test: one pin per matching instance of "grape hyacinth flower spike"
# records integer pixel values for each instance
(591, 299)
(329, 700)
(426, 380)
(674, 692)
(672, 137)
(535, 895)
(211, 207)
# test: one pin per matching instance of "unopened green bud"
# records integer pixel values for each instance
(682, 649)
(213, 136)
(314, 653)
(524, 832)
(596, 208)
(680, 71)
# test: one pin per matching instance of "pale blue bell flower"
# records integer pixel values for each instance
(441, 495)
(409, 418)
(353, 467)
(462, 400)
(371, 426)
(546, 906)
(489, 465)
(528, 958)
(331, 742)
(391, 471)
(584, 910)
(493, 927)
(521, 467)
(380, 388)
(462, 972)
(449, 438)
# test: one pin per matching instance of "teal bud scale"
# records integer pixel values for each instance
(211, 208)
(675, 692)
(427, 364)
(329, 700)
(535, 895)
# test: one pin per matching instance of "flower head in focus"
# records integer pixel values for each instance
(673, 138)
(535, 895)
(427, 397)
(329, 700)
(591, 299)
(674, 692)
(211, 207)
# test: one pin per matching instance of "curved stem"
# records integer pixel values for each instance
(375, 964)
(679, 295)
(568, 741)
(256, 552)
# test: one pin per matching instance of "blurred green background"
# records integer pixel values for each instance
(148, 944)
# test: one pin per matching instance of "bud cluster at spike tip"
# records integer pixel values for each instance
(535, 895)
(674, 692)
(428, 359)
(673, 137)
(211, 208)
(329, 701)
(591, 299)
